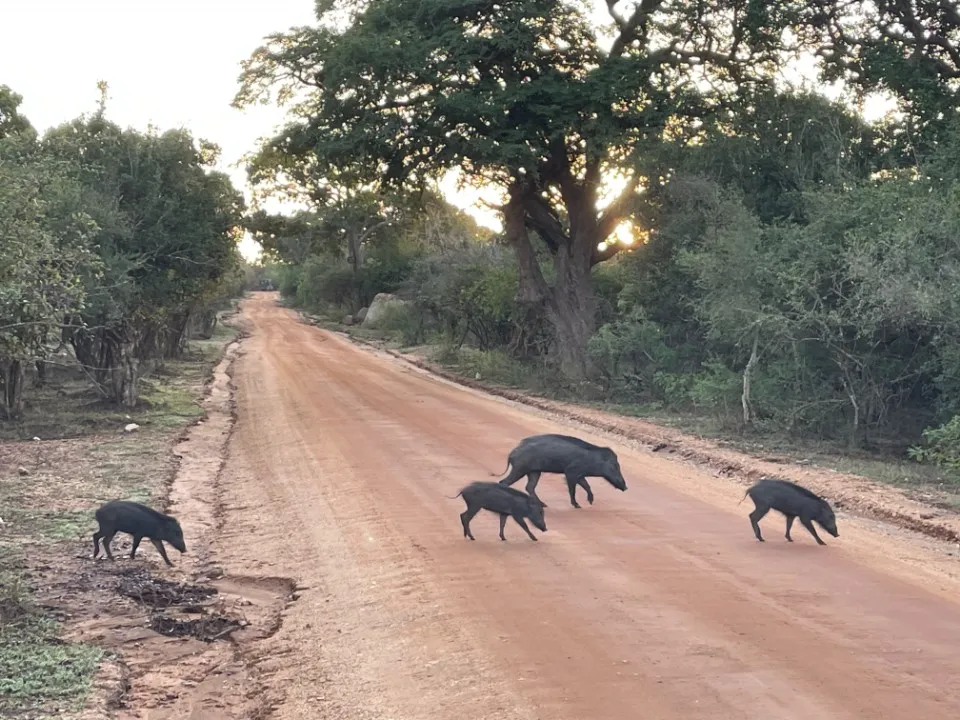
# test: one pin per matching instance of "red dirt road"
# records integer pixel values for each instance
(654, 603)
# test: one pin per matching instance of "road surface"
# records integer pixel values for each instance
(653, 603)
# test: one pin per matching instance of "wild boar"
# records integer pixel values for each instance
(506, 502)
(793, 501)
(562, 454)
(141, 522)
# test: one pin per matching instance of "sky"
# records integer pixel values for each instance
(173, 63)
(170, 63)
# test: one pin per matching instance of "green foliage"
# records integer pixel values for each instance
(471, 295)
(792, 277)
(43, 255)
(911, 49)
(121, 243)
(942, 445)
(629, 354)
(404, 322)
(527, 96)
(716, 388)
(166, 239)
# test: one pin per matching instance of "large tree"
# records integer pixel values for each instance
(526, 94)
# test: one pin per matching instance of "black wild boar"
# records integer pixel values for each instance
(565, 455)
(141, 522)
(793, 501)
(506, 502)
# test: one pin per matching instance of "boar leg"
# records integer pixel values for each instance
(514, 475)
(96, 543)
(532, 479)
(465, 517)
(813, 531)
(583, 483)
(755, 518)
(163, 553)
(107, 538)
(572, 481)
(136, 544)
(503, 524)
(522, 523)
(790, 519)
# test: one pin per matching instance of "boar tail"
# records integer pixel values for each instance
(502, 471)
(744, 497)
(455, 496)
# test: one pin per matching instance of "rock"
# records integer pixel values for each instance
(131, 428)
(361, 315)
(378, 308)
(22, 471)
(348, 319)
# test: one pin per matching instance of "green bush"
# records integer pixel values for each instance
(405, 323)
(471, 295)
(942, 446)
(717, 389)
(628, 354)
(288, 281)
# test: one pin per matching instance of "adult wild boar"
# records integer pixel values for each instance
(562, 454)
(504, 501)
(141, 522)
(792, 501)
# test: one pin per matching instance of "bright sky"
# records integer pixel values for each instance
(172, 63)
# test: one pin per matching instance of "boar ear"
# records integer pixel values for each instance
(542, 503)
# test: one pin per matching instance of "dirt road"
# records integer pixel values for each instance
(654, 603)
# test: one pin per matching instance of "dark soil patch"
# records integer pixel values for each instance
(160, 593)
(207, 629)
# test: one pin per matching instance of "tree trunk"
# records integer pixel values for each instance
(748, 414)
(854, 440)
(13, 390)
(353, 250)
(571, 310)
(569, 305)
(126, 376)
(174, 336)
(204, 323)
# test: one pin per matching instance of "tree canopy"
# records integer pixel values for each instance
(110, 239)
(527, 95)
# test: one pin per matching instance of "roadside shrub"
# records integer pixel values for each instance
(942, 446)
(405, 323)
(717, 389)
(628, 354)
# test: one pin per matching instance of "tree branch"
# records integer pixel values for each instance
(608, 252)
(533, 287)
(541, 220)
(633, 28)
